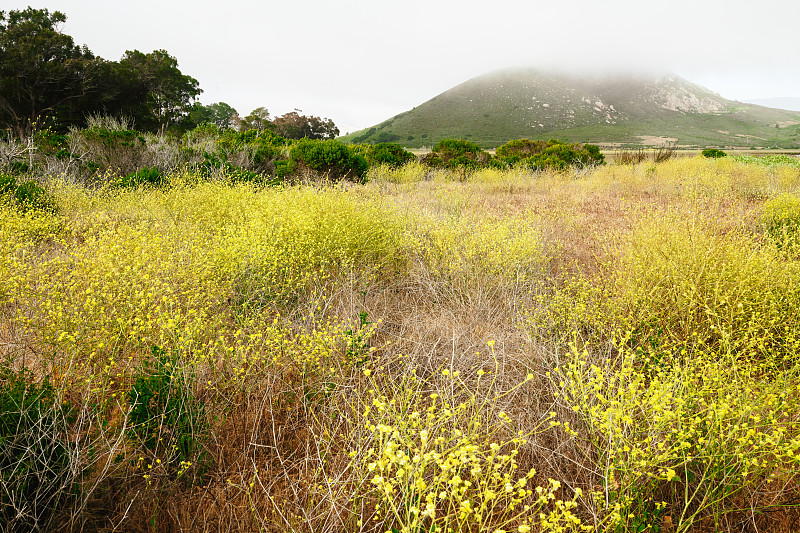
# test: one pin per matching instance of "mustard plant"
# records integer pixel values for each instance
(444, 458)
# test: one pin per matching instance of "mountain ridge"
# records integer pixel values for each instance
(618, 109)
(788, 103)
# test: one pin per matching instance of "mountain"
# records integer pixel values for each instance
(619, 109)
(785, 102)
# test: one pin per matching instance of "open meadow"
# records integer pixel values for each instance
(614, 348)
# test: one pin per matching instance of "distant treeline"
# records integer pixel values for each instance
(48, 81)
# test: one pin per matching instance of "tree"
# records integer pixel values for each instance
(220, 114)
(169, 92)
(41, 69)
(258, 119)
(293, 125)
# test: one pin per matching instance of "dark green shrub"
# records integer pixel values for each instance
(64, 154)
(457, 154)
(713, 153)
(91, 167)
(520, 148)
(165, 416)
(19, 167)
(116, 149)
(391, 154)
(244, 156)
(38, 467)
(449, 149)
(30, 196)
(553, 154)
(432, 160)
(242, 175)
(8, 184)
(144, 176)
(328, 158)
(595, 156)
(463, 162)
(283, 169)
(560, 156)
(263, 148)
(206, 129)
(49, 143)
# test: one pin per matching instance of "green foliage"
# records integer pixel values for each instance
(110, 147)
(258, 119)
(263, 146)
(768, 160)
(219, 114)
(329, 158)
(390, 154)
(449, 149)
(432, 160)
(145, 176)
(463, 163)
(46, 79)
(165, 417)
(520, 148)
(31, 196)
(296, 126)
(41, 69)
(553, 154)
(465, 156)
(358, 340)
(252, 155)
(713, 153)
(37, 464)
(457, 154)
(283, 169)
(49, 142)
(8, 184)
(168, 92)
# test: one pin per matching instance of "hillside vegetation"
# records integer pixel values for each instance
(606, 349)
(632, 110)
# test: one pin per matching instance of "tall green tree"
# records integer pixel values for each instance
(169, 92)
(293, 125)
(42, 70)
(258, 119)
(220, 114)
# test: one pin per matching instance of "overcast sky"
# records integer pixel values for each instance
(359, 62)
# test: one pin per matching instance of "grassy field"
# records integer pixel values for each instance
(609, 349)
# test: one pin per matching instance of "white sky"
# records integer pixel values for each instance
(360, 62)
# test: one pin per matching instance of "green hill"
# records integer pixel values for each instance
(628, 110)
